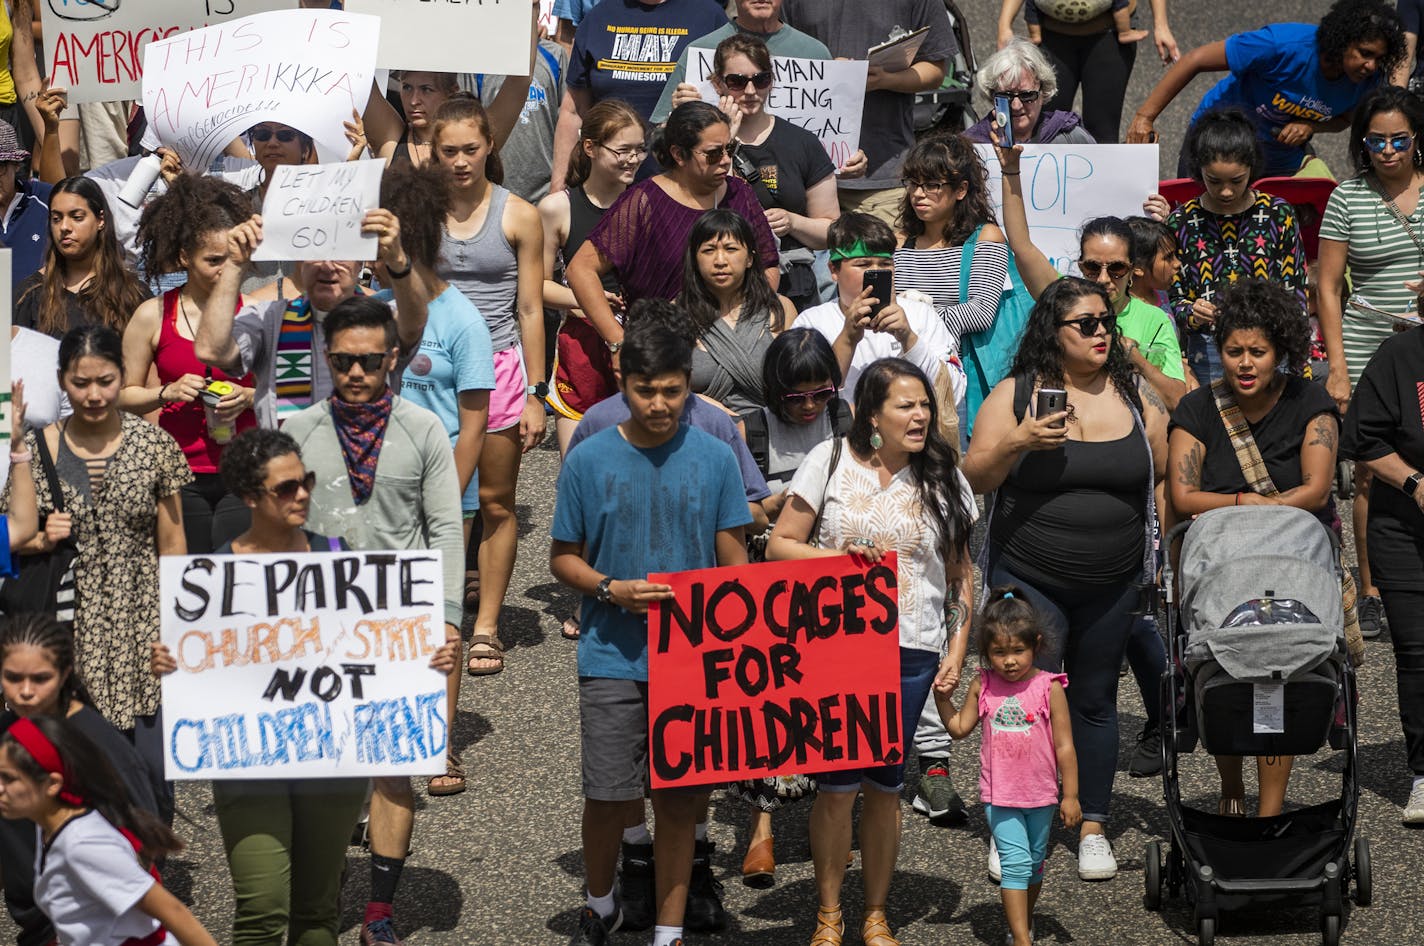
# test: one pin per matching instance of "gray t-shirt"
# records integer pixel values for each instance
(788, 444)
(528, 154)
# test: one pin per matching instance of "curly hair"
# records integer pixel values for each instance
(1223, 134)
(1350, 22)
(758, 298)
(420, 197)
(175, 222)
(57, 641)
(463, 107)
(949, 158)
(1264, 306)
(933, 468)
(1040, 356)
(243, 465)
(1382, 101)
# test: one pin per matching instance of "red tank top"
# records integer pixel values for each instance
(187, 423)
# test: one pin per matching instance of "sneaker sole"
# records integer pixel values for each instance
(947, 816)
(1097, 874)
(1415, 819)
(1144, 773)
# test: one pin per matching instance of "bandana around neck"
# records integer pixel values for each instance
(361, 429)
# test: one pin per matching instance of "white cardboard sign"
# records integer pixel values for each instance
(314, 211)
(304, 68)
(311, 665)
(452, 35)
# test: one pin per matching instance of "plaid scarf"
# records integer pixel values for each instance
(361, 428)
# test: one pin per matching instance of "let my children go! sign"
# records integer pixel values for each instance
(774, 669)
(303, 666)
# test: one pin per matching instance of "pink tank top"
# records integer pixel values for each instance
(1018, 767)
(187, 423)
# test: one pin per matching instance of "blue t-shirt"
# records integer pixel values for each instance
(454, 356)
(612, 411)
(637, 512)
(626, 49)
(573, 10)
(1276, 78)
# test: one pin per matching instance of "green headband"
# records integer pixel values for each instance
(858, 250)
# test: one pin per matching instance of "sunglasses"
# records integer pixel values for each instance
(736, 82)
(370, 362)
(818, 396)
(931, 188)
(1378, 143)
(715, 155)
(1027, 96)
(287, 490)
(1088, 325)
(284, 135)
(1093, 269)
(625, 155)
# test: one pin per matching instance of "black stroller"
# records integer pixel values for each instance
(1257, 667)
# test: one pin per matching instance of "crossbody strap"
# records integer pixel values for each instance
(830, 477)
(1394, 210)
(1253, 466)
(51, 474)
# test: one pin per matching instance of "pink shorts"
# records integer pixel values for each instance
(509, 396)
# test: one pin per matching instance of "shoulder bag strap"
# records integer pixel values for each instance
(1242, 441)
(56, 490)
(830, 476)
(1395, 212)
(966, 262)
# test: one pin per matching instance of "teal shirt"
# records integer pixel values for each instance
(786, 42)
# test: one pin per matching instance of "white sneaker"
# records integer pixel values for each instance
(995, 873)
(1095, 858)
(1414, 808)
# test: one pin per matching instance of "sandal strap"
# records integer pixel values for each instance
(830, 928)
(486, 640)
(874, 930)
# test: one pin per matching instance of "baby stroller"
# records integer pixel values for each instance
(1257, 667)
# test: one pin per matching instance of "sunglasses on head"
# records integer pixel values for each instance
(1027, 96)
(1378, 143)
(737, 82)
(1088, 325)
(715, 154)
(261, 133)
(1093, 269)
(818, 396)
(287, 489)
(370, 361)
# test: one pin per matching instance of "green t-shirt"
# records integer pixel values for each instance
(1153, 331)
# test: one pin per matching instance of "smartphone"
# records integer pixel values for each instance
(1002, 119)
(881, 283)
(1051, 401)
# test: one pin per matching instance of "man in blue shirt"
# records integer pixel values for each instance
(24, 208)
(649, 495)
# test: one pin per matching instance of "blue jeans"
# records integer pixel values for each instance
(1021, 836)
(1147, 658)
(1088, 630)
(917, 673)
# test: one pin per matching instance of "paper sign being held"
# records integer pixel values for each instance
(314, 211)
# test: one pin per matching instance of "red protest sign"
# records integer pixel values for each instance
(774, 669)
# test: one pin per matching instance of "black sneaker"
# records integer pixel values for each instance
(1147, 757)
(704, 912)
(594, 930)
(1372, 622)
(937, 798)
(637, 893)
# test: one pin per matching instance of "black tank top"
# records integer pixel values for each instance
(403, 152)
(584, 215)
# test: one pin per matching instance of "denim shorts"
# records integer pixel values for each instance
(917, 673)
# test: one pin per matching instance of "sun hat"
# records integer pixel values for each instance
(10, 149)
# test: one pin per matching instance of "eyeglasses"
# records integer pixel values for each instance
(818, 397)
(262, 133)
(716, 154)
(1026, 96)
(625, 155)
(931, 188)
(370, 361)
(286, 490)
(1378, 143)
(736, 82)
(1093, 269)
(1088, 325)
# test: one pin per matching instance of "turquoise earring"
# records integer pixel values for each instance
(876, 441)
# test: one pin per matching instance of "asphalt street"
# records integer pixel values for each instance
(500, 864)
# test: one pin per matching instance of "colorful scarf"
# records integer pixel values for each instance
(293, 382)
(361, 428)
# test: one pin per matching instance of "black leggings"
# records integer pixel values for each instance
(1102, 66)
(1405, 610)
(212, 516)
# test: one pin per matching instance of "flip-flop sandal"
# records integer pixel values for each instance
(454, 778)
(492, 642)
(570, 630)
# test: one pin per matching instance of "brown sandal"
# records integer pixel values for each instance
(496, 653)
(830, 927)
(472, 590)
(454, 779)
(874, 929)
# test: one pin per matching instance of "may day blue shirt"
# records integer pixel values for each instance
(1275, 77)
(637, 512)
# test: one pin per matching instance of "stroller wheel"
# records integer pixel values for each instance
(1152, 876)
(1206, 930)
(1364, 881)
(1330, 930)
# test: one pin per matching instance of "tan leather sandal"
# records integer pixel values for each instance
(874, 929)
(830, 927)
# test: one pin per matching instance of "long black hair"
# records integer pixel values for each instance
(1224, 134)
(57, 641)
(1040, 356)
(933, 468)
(758, 298)
(88, 774)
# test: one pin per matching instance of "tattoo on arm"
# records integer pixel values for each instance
(1326, 434)
(1150, 395)
(1190, 467)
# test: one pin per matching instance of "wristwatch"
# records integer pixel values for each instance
(604, 591)
(540, 390)
(1411, 483)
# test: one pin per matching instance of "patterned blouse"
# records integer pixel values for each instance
(1218, 249)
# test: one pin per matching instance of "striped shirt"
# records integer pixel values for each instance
(1382, 257)
(935, 272)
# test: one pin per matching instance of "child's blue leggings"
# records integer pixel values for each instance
(1021, 835)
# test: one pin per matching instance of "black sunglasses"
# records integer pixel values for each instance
(286, 490)
(1093, 269)
(715, 154)
(284, 135)
(1027, 96)
(370, 361)
(1088, 325)
(737, 82)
